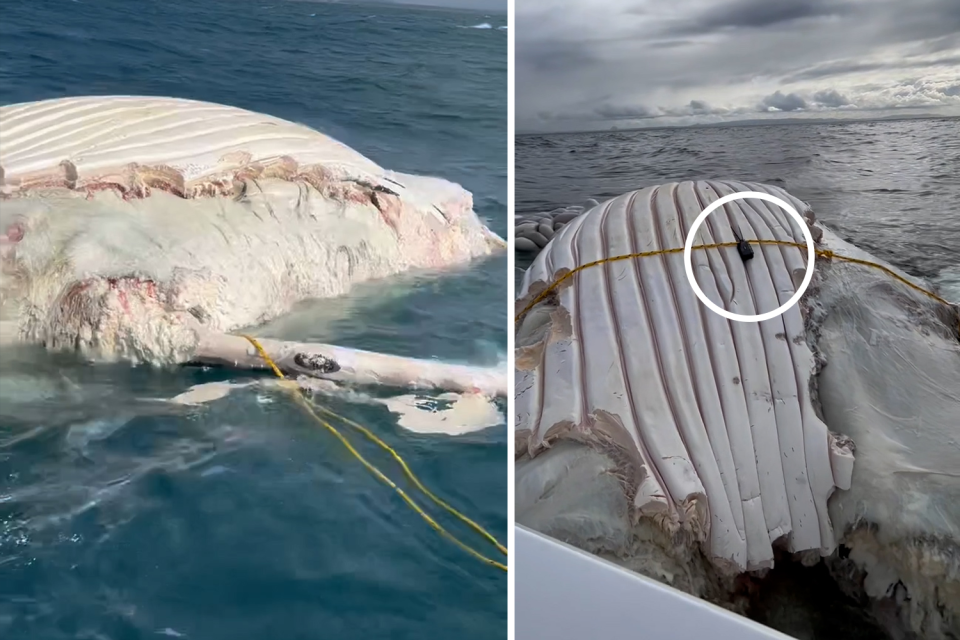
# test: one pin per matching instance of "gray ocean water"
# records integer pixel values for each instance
(891, 187)
(120, 519)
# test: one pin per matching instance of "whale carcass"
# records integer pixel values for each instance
(695, 449)
(149, 229)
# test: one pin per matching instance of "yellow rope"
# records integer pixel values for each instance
(312, 408)
(823, 253)
(416, 481)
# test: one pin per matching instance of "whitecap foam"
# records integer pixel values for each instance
(482, 25)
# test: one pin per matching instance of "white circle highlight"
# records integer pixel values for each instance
(742, 195)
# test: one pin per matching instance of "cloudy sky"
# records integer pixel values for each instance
(595, 64)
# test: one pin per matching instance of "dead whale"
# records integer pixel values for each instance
(152, 229)
(694, 449)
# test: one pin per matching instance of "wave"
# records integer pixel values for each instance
(485, 25)
(948, 281)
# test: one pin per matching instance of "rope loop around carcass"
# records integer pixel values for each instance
(821, 253)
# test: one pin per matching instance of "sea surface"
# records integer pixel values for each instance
(890, 187)
(124, 519)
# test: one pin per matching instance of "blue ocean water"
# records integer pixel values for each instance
(122, 520)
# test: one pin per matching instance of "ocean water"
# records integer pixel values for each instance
(890, 187)
(123, 519)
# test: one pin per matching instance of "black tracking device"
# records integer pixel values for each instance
(743, 247)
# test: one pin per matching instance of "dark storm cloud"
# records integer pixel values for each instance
(596, 61)
(555, 57)
(789, 102)
(830, 98)
(699, 106)
(603, 112)
(919, 20)
(610, 112)
(759, 14)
